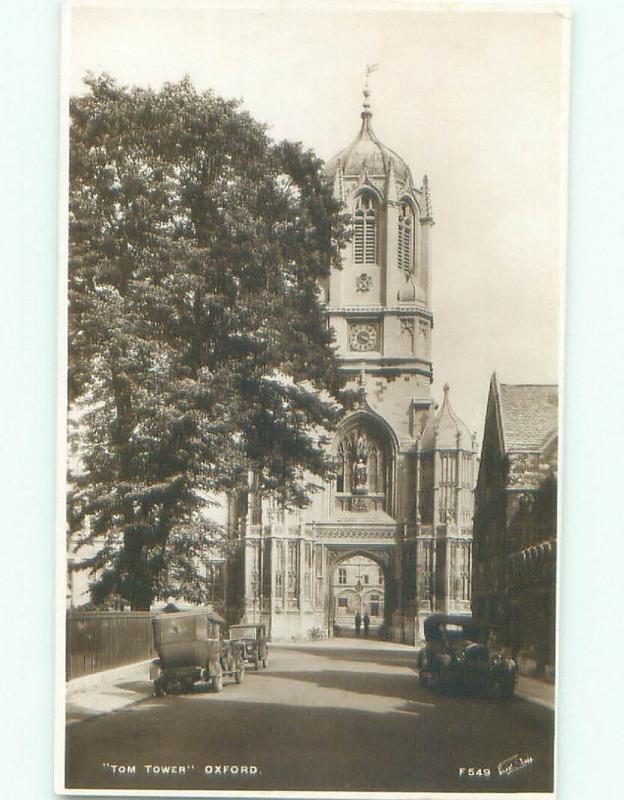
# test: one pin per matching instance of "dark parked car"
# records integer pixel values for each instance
(252, 638)
(191, 649)
(460, 655)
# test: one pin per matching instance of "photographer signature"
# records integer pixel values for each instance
(514, 763)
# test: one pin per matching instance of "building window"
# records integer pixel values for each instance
(366, 578)
(406, 238)
(342, 575)
(381, 577)
(365, 230)
(343, 602)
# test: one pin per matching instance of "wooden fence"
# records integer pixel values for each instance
(99, 640)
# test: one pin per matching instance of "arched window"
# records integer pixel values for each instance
(406, 237)
(365, 230)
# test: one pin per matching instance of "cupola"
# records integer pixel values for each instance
(367, 154)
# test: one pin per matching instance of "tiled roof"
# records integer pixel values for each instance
(529, 415)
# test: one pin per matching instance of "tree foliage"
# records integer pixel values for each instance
(198, 347)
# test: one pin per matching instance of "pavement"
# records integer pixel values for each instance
(104, 692)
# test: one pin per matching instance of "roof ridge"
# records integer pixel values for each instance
(529, 384)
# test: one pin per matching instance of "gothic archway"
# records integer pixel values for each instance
(360, 579)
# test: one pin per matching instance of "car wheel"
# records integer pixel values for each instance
(504, 690)
(439, 681)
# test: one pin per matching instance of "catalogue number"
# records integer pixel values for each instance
(474, 772)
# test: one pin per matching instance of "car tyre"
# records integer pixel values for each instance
(504, 690)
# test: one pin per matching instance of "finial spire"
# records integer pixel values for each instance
(361, 390)
(366, 112)
(426, 190)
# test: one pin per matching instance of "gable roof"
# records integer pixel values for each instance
(528, 415)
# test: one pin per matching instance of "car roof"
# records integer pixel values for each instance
(212, 615)
(448, 619)
(247, 625)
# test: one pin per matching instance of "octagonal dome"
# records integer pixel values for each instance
(366, 151)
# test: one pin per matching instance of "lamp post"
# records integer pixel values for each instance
(359, 589)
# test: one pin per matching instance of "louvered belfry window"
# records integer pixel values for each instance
(365, 230)
(406, 238)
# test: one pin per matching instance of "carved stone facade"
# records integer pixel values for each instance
(403, 492)
(515, 525)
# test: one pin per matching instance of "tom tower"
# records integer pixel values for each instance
(403, 494)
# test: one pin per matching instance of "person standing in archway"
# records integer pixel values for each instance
(366, 621)
(358, 623)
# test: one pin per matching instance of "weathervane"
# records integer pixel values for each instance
(369, 69)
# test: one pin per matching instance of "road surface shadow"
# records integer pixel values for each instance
(390, 658)
(309, 748)
(381, 684)
(140, 687)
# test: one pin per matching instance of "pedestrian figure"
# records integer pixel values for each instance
(358, 623)
(366, 624)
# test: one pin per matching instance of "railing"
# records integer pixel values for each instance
(99, 640)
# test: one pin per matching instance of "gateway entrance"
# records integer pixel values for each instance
(357, 588)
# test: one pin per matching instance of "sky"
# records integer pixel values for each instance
(475, 99)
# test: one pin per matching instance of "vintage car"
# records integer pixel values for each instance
(252, 638)
(460, 656)
(191, 649)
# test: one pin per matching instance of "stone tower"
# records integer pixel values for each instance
(405, 475)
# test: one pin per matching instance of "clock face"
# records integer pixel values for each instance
(363, 336)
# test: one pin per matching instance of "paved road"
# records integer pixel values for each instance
(341, 715)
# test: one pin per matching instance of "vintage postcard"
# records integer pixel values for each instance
(312, 265)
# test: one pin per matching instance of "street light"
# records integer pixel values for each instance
(359, 589)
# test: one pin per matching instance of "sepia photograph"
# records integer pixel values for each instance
(312, 279)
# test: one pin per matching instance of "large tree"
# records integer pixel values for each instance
(198, 348)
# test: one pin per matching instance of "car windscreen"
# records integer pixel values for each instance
(454, 632)
(243, 632)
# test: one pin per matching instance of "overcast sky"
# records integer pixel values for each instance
(474, 99)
